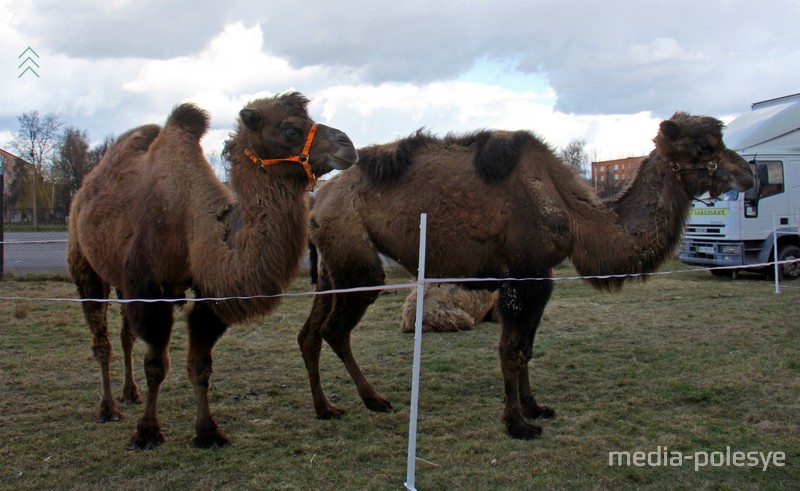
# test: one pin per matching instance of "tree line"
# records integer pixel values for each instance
(52, 160)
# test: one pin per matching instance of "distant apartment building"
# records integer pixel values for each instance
(612, 175)
(17, 195)
(7, 160)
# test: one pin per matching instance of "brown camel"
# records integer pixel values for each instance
(502, 205)
(153, 221)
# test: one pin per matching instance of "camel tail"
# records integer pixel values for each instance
(189, 118)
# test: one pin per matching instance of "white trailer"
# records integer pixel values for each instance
(743, 229)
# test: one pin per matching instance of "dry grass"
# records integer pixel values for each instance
(687, 362)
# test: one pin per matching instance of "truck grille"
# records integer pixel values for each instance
(697, 250)
(705, 230)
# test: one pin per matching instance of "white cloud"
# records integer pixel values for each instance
(443, 107)
(229, 72)
(232, 59)
(662, 50)
(382, 70)
(6, 137)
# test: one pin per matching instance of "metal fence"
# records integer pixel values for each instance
(29, 246)
(34, 252)
(46, 253)
(23, 217)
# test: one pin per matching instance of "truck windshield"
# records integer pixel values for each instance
(729, 196)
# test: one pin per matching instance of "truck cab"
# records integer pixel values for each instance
(741, 230)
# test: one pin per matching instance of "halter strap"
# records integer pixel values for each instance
(711, 166)
(302, 159)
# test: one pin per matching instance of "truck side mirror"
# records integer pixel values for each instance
(752, 195)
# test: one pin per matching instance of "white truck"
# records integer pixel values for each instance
(743, 229)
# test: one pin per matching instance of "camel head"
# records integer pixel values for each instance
(691, 148)
(278, 133)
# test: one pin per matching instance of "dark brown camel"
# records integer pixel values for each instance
(153, 221)
(499, 204)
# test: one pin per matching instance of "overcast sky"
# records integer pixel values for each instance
(603, 71)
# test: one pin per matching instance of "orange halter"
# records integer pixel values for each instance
(302, 159)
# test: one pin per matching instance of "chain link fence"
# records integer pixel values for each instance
(33, 248)
(35, 252)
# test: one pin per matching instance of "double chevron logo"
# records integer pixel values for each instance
(28, 63)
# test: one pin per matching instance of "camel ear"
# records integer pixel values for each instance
(670, 129)
(251, 118)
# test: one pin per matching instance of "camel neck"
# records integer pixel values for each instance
(266, 233)
(654, 203)
(640, 228)
(269, 194)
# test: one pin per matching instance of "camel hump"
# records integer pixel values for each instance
(498, 153)
(138, 140)
(190, 118)
(387, 163)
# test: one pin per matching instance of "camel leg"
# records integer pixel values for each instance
(148, 430)
(205, 328)
(333, 317)
(97, 319)
(521, 309)
(153, 323)
(130, 391)
(310, 341)
(530, 408)
(347, 311)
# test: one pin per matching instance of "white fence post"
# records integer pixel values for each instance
(412, 424)
(775, 254)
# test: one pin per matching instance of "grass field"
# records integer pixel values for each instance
(684, 364)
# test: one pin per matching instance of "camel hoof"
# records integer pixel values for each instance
(107, 413)
(378, 404)
(131, 396)
(547, 412)
(146, 439)
(543, 412)
(523, 431)
(331, 412)
(108, 418)
(212, 439)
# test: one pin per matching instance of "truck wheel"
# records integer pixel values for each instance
(789, 271)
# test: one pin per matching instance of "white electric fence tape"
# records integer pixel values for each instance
(398, 286)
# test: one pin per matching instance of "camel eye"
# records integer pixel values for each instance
(292, 132)
(706, 149)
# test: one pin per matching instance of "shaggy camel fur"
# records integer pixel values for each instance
(448, 307)
(153, 221)
(500, 205)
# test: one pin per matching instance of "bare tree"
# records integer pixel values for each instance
(610, 188)
(574, 154)
(70, 164)
(35, 141)
(221, 166)
(96, 153)
(14, 187)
